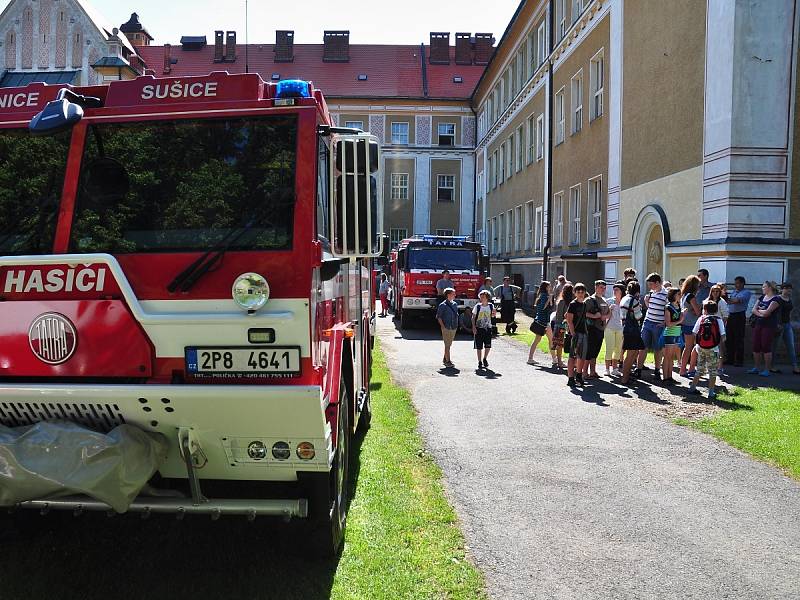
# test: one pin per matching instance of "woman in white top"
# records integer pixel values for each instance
(613, 332)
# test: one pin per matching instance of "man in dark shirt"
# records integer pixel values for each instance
(447, 316)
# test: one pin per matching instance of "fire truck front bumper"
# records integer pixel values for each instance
(248, 433)
(431, 303)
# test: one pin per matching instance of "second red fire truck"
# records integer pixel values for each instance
(417, 264)
(193, 257)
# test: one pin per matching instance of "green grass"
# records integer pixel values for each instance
(403, 539)
(765, 424)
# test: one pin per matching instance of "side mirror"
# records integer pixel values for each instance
(356, 208)
(62, 113)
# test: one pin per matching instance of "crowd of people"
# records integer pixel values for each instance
(694, 326)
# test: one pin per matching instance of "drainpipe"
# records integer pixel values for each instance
(549, 176)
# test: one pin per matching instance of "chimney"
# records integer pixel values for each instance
(284, 46)
(484, 43)
(219, 46)
(230, 46)
(167, 58)
(463, 49)
(440, 48)
(336, 46)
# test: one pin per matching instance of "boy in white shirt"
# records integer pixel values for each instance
(709, 331)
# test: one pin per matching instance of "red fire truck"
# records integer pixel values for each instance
(193, 257)
(417, 264)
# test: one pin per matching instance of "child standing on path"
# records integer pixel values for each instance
(482, 315)
(447, 316)
(709, 331)
(541, 320)
(578, 335)
(383, 291)
(672, 334)
(613, 333)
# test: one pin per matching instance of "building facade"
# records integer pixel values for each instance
(658, 135)
(62, 41)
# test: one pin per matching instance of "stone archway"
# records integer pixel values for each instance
(650, 236)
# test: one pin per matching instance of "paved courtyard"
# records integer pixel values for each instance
(582, 494)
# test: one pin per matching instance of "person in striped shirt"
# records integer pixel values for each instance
(654, 322)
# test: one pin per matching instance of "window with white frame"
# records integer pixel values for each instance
(558, 213)
(519, 225)
(508, 81)
(596, 83)
(540, 137)
(577, 9)
(577, 102)
(529, 226)
(502, 161)
(496, 170)
(575, 215)
(399, 186)
(501, 233)
(445, 188)
(509, 231)
(354, 124)
(560, 116)
(531, 140)
(495, 248)
(533, 60)
(521, 67)
(539, 230)
(400, 133)
(445, 232)
(541, 42)
(513, 76)
(561, 17)
(397, 235)
(447, 134)
(595, 209)
(520, 137)
(490, 109)
(510, 155)
(492, 173)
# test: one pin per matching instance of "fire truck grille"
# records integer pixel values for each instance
(99, 417)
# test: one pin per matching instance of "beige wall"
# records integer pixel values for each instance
(664, 70)
(671, 194)
(399, 213)
(583, 155)
(455, 120)
(444, 215)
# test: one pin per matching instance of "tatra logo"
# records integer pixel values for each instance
(198, 89)
(446, 243)
(55, 280)
(52, 338)
(19, 100)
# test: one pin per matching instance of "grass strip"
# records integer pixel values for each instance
(403, 539)
(765, 424)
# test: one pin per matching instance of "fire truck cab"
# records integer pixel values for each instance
(193, 256)
(417, 264)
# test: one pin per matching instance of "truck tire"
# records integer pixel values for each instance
(330, 492)
(405, 320)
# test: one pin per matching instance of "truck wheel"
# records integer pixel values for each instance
(365, 419)
(330, 493)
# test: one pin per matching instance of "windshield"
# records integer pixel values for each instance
(31, 179)
(168, 186)
(432, 259)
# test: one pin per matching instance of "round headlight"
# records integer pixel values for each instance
(257, 450)
(250, 291)
(281, 451)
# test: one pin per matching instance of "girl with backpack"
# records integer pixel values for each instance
(540, 326)
(558, 325)
(691, 311)
(630, 310)
(709, 331)
(672, 333)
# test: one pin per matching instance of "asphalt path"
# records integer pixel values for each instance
(566, 494)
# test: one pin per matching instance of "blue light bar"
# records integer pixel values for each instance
(455, 238)
(293, 88)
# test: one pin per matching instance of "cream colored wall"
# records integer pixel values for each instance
(679, 267)
(679, 195)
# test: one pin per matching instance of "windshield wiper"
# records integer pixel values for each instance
(189, 276)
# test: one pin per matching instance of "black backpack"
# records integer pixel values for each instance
(631, 326)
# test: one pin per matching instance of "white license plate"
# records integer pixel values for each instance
(247, 362)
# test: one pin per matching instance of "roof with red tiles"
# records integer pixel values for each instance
(393, 71)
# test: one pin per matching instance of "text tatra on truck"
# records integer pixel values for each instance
(186, 281)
